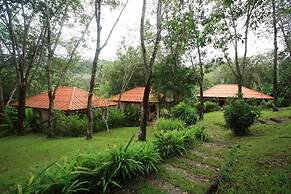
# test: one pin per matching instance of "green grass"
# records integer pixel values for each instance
(262, 160)
(21, 155)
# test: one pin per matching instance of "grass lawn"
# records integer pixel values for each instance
(258, 163)
(21, 155)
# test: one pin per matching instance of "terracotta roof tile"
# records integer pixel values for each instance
(67, 99)
(230, 90)
(134, 95)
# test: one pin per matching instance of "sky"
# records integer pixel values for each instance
(128, 29)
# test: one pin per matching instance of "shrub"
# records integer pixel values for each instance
(200, 133)
(171, 143)
(115, 118)
(8, 119)
(165, 113)
(96, 173)
(210, 106)
(132, 115)
(69, 125)
(169, 124)
(239, 116)
(185, 113)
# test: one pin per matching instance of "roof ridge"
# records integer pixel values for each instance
(71, 98)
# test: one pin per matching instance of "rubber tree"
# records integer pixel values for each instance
(25, 40)
(57, 15)
(148, 64)
(98, 4)
(275, 57)
(236, 20)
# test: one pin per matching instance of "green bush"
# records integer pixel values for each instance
(132, 115)
(72, 125)
(169, 124)
(239, 116)
(90, 173)
(200, 133)
(115, 118)
(165, 113)
(185, 113)
(171, 143)
(210, 106)
(8, 119)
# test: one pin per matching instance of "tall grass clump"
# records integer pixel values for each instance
(200, 133)
(176, 142)
(96, 173)
(169, 124)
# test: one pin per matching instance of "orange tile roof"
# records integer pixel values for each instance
(134, 95)
(67, 99)
(230, 90)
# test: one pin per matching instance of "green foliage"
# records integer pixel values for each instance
(185, 113)
(239, 116)
(115, 118)
(69, 125)
(93, 173)
(210, 106)
(200, 133)
(172, 143)
(169, 124)
(132, 115)
(165, 113)
(8, 119)
(172, 80)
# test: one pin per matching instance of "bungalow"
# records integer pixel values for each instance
(135, 97)
(221, 92)
(67, 99)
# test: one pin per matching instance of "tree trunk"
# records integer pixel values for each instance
(89, 134)
(21, 108)
(2, 105)
(97, 4)
(148, 66)
(49, 75)
(201, 83)
(51, 114)
(143, 123)
(275, 59)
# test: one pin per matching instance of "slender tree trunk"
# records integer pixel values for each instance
(98, 4)
(2, 104)
(149, 66)
(275, 59)
(89, 134)
(11, 95)
(49, 74)
(145, 106)
(21, 108)
(201, 83)
(51, 115)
